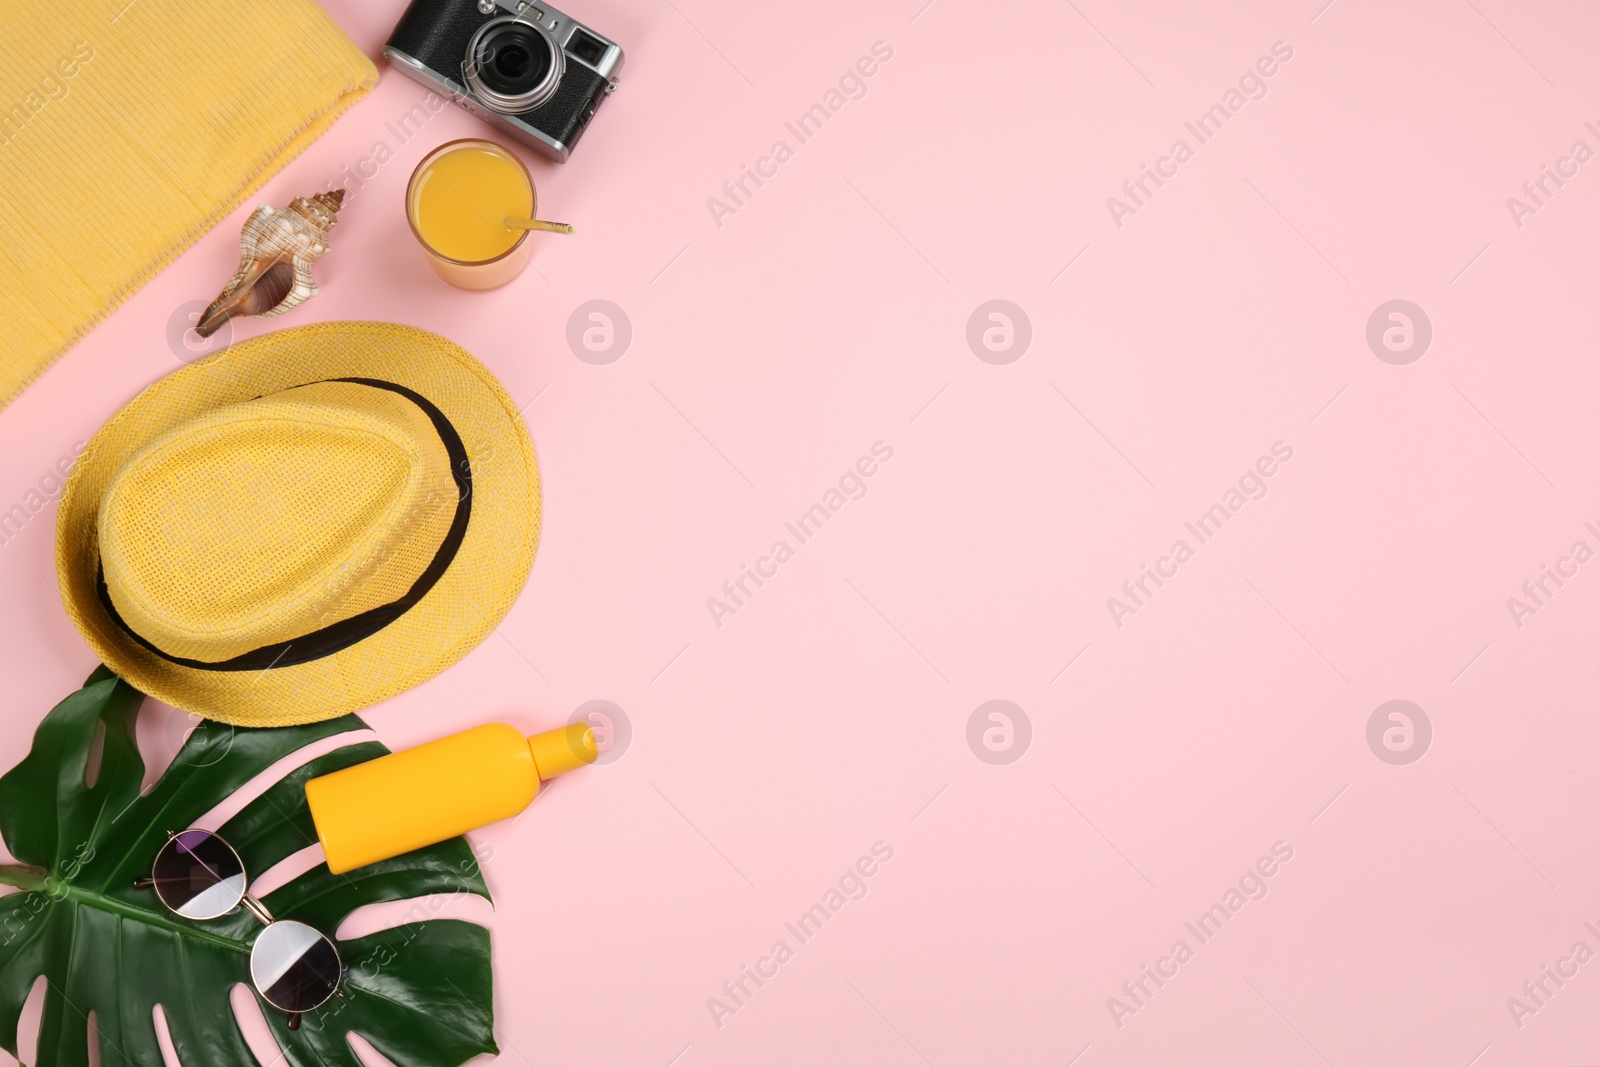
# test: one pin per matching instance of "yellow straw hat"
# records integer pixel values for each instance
(301, 525)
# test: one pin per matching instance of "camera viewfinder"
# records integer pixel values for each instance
(585, 47)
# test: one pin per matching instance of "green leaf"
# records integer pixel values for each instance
(421, 993)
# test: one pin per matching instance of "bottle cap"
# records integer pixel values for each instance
(559, 751)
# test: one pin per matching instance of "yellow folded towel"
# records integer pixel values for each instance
(127, 130)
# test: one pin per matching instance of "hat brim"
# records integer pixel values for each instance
(466, 604)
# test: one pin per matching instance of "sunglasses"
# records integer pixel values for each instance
(199, 876)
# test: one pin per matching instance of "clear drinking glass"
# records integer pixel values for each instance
(458, 199)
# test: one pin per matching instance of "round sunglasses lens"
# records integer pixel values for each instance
(293, 966)
(199, 875)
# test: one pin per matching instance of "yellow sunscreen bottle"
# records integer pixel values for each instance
(421, 796)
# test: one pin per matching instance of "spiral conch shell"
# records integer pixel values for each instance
(278, 246)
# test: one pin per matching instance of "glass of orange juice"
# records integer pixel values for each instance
(463, 202)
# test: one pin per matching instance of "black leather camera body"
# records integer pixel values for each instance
(525, 68)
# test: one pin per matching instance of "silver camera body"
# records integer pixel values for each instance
(525, 68)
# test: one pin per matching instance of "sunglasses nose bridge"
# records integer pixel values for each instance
(258, 909)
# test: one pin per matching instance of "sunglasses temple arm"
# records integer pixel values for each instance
(143, 882)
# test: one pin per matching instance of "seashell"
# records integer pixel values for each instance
(277, 246)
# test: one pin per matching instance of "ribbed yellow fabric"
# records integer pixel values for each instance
(127, 130)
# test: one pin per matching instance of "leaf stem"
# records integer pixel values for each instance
(23, 876)
(101, 902)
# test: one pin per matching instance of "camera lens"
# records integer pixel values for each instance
(512, 62)
(513, 65)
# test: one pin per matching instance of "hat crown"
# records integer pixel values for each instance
(260, 522)
(313, 376)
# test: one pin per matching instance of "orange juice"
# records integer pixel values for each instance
(457, 203)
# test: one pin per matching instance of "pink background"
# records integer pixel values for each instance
(830, 712)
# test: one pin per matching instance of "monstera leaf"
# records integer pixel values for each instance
(420, 992)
